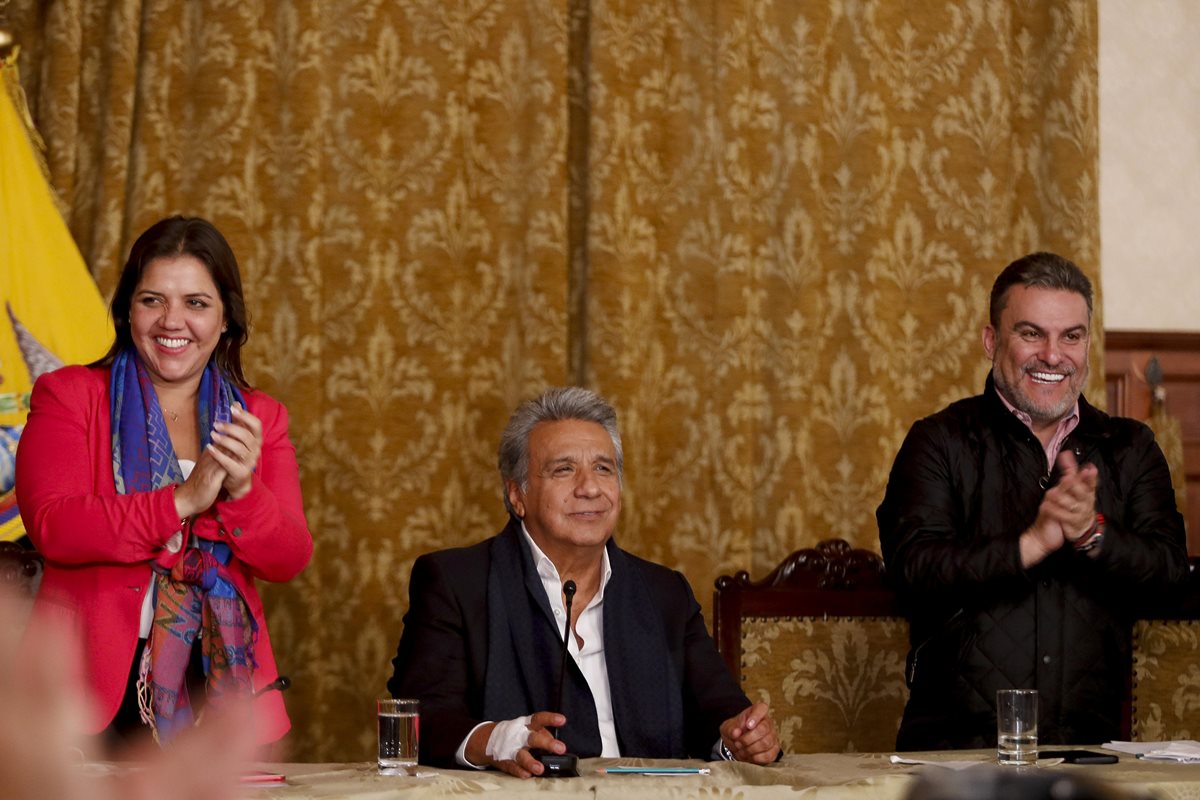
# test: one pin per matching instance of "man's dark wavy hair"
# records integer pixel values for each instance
(1044, 270)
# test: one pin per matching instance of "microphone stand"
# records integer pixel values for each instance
(280, 684)
(567, 764)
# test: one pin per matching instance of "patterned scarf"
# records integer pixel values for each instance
(194, 598)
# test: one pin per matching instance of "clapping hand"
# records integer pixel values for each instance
(227, 463)
(1072, 502)
(236, 446)
(1067, 510)
(201, 488)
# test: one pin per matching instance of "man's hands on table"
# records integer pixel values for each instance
(751, 736)
(513, 741)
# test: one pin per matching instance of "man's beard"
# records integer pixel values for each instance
(1038, 412)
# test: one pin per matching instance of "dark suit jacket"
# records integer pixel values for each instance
(480, 643)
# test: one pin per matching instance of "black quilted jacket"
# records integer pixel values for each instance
(966, 483)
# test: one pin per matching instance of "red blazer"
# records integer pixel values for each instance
(99, 545)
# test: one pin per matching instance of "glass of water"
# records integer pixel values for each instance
(399, 723)
(1017, 726)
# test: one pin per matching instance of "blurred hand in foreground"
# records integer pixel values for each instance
(44, 751)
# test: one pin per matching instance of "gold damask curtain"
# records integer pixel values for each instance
(798, 209)
(765, 230)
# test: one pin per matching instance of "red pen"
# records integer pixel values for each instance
(262, 777)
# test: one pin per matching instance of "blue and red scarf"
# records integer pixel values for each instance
(194, 598)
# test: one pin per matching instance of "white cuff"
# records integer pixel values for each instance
(460, 755)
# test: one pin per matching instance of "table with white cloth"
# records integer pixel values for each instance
(848, 776)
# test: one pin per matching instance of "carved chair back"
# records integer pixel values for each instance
(823, 641)
(1164, 697)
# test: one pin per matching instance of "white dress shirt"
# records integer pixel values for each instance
(590, 628)
(590, 658)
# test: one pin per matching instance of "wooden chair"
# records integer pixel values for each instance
(823, 641)
(1164, 697)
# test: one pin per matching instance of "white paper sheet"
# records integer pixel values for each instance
(1184, 751)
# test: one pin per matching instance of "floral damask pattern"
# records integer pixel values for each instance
(834, 684)
(391, 176)
(771, 249)
(797, 210)
(1166, 680)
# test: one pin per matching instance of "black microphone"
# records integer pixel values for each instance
(569, 594)
(280, 684)
(567, 764)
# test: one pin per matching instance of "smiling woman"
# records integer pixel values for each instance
(175, 322)
(176, 319)
(158, 486)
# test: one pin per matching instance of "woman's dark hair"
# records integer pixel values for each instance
(199, 238)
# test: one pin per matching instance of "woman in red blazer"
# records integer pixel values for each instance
(158, 486)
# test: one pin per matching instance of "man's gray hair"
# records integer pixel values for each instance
(553, 405)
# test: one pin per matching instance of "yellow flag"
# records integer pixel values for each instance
(51, 312)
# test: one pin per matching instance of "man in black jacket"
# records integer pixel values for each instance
(482, 642)
(1025, 530)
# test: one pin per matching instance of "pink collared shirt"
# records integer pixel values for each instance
(1065, 426)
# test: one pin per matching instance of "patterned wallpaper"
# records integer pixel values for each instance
(764, 229)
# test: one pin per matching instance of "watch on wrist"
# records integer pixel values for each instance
(1093, 538)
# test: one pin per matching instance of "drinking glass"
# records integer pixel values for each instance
(398, 728)
(1016, 727)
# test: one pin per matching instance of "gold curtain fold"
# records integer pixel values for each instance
(766, 230)
(797, 211)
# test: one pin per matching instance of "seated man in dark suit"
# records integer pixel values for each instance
(482, 638)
